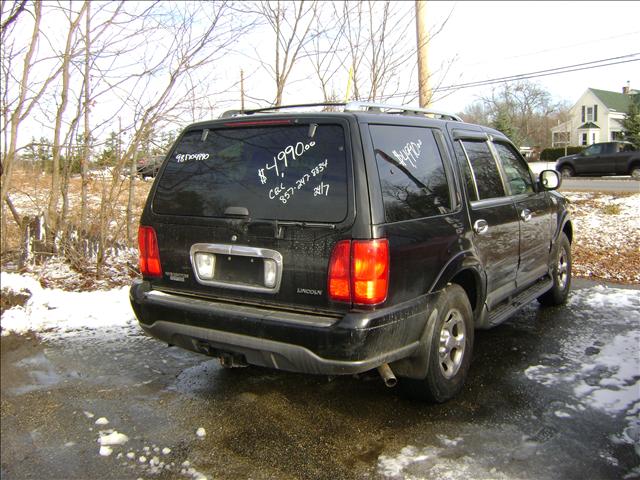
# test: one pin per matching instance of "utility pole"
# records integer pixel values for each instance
(422, 36)
(242, 90)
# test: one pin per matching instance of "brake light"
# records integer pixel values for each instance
(257, 123)
(359, 272)
(339, 272)
(149, 253)
(370, 271)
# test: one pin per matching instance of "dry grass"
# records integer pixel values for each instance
(30, 195)
(606, 236)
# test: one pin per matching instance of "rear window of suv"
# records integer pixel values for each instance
(284, 172)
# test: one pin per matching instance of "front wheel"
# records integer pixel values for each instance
(635, 172)
(561, 274)
(567, 172)
(450, 349)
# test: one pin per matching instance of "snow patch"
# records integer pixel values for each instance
(102, 421)
(430, 462)
(113, 438)
(201, 432)
(105, 451)
(52, 312)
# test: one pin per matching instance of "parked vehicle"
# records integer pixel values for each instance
(608, 158)
(149, 167)
(340, 242)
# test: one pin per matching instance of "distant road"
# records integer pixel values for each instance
(623, 185)
(590, 184)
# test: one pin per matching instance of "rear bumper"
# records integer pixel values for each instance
(297, 342)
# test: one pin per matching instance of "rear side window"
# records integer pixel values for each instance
(412, 175)
(485, 171)
(292, 172)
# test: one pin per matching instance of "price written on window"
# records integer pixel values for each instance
(285, 194)
(282, 159)
(409, 154)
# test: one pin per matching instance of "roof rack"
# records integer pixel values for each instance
(235, 113)
(403, 110)
(354, 107)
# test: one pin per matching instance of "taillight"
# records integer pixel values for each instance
(359, 271)
(340, 272)
(149, 253)
(370, 271)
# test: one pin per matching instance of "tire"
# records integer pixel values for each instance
(561, 274)
(566, 171)
(453, 331)
(635, 172)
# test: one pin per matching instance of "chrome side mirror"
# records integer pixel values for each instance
(549, 179)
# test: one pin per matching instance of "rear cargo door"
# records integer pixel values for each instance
(250, 211)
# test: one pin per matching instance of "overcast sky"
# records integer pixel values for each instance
(495, 39)
(486, 40)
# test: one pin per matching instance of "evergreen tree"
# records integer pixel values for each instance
(109, 155)
(631, 122)
(502, 123)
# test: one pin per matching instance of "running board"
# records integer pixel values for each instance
(514, 303)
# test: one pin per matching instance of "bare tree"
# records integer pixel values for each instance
(327, 50)
(382, 56)
(526, 107)
(188, 52)
(51, 216)
(291, 26)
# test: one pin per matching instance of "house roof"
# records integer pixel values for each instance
(618, 102)
(587, 126)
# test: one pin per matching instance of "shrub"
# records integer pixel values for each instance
(551, 154)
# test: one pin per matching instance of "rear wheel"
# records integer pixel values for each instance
(567, 171)
(635, 172)
(450, 348)
(561, 274)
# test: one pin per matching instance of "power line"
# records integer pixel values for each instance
(563, 47)
(548, 71)
(536, 74)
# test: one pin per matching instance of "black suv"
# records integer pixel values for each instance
(608, 158)
(340, 242)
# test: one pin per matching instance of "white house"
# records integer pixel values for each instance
(596, 117)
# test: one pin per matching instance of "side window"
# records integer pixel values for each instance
(485, 170)
(466, 171)
(592, 150)
(412, 175)
(517, 174)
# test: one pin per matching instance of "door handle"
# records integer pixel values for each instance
(481, 227)
(525, 215)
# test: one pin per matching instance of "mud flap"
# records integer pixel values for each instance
(416, 365)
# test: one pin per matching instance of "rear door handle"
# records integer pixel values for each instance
(481, 227)
(525, 215)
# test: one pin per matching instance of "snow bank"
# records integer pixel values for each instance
(56, 312)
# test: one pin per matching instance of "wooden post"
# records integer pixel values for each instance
(422, 36)
(242, 90)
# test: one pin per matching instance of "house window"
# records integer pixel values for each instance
(589, 114)
(593, 138)
(584, 139)
(616, 136)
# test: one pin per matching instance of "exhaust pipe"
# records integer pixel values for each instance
(387, 375)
